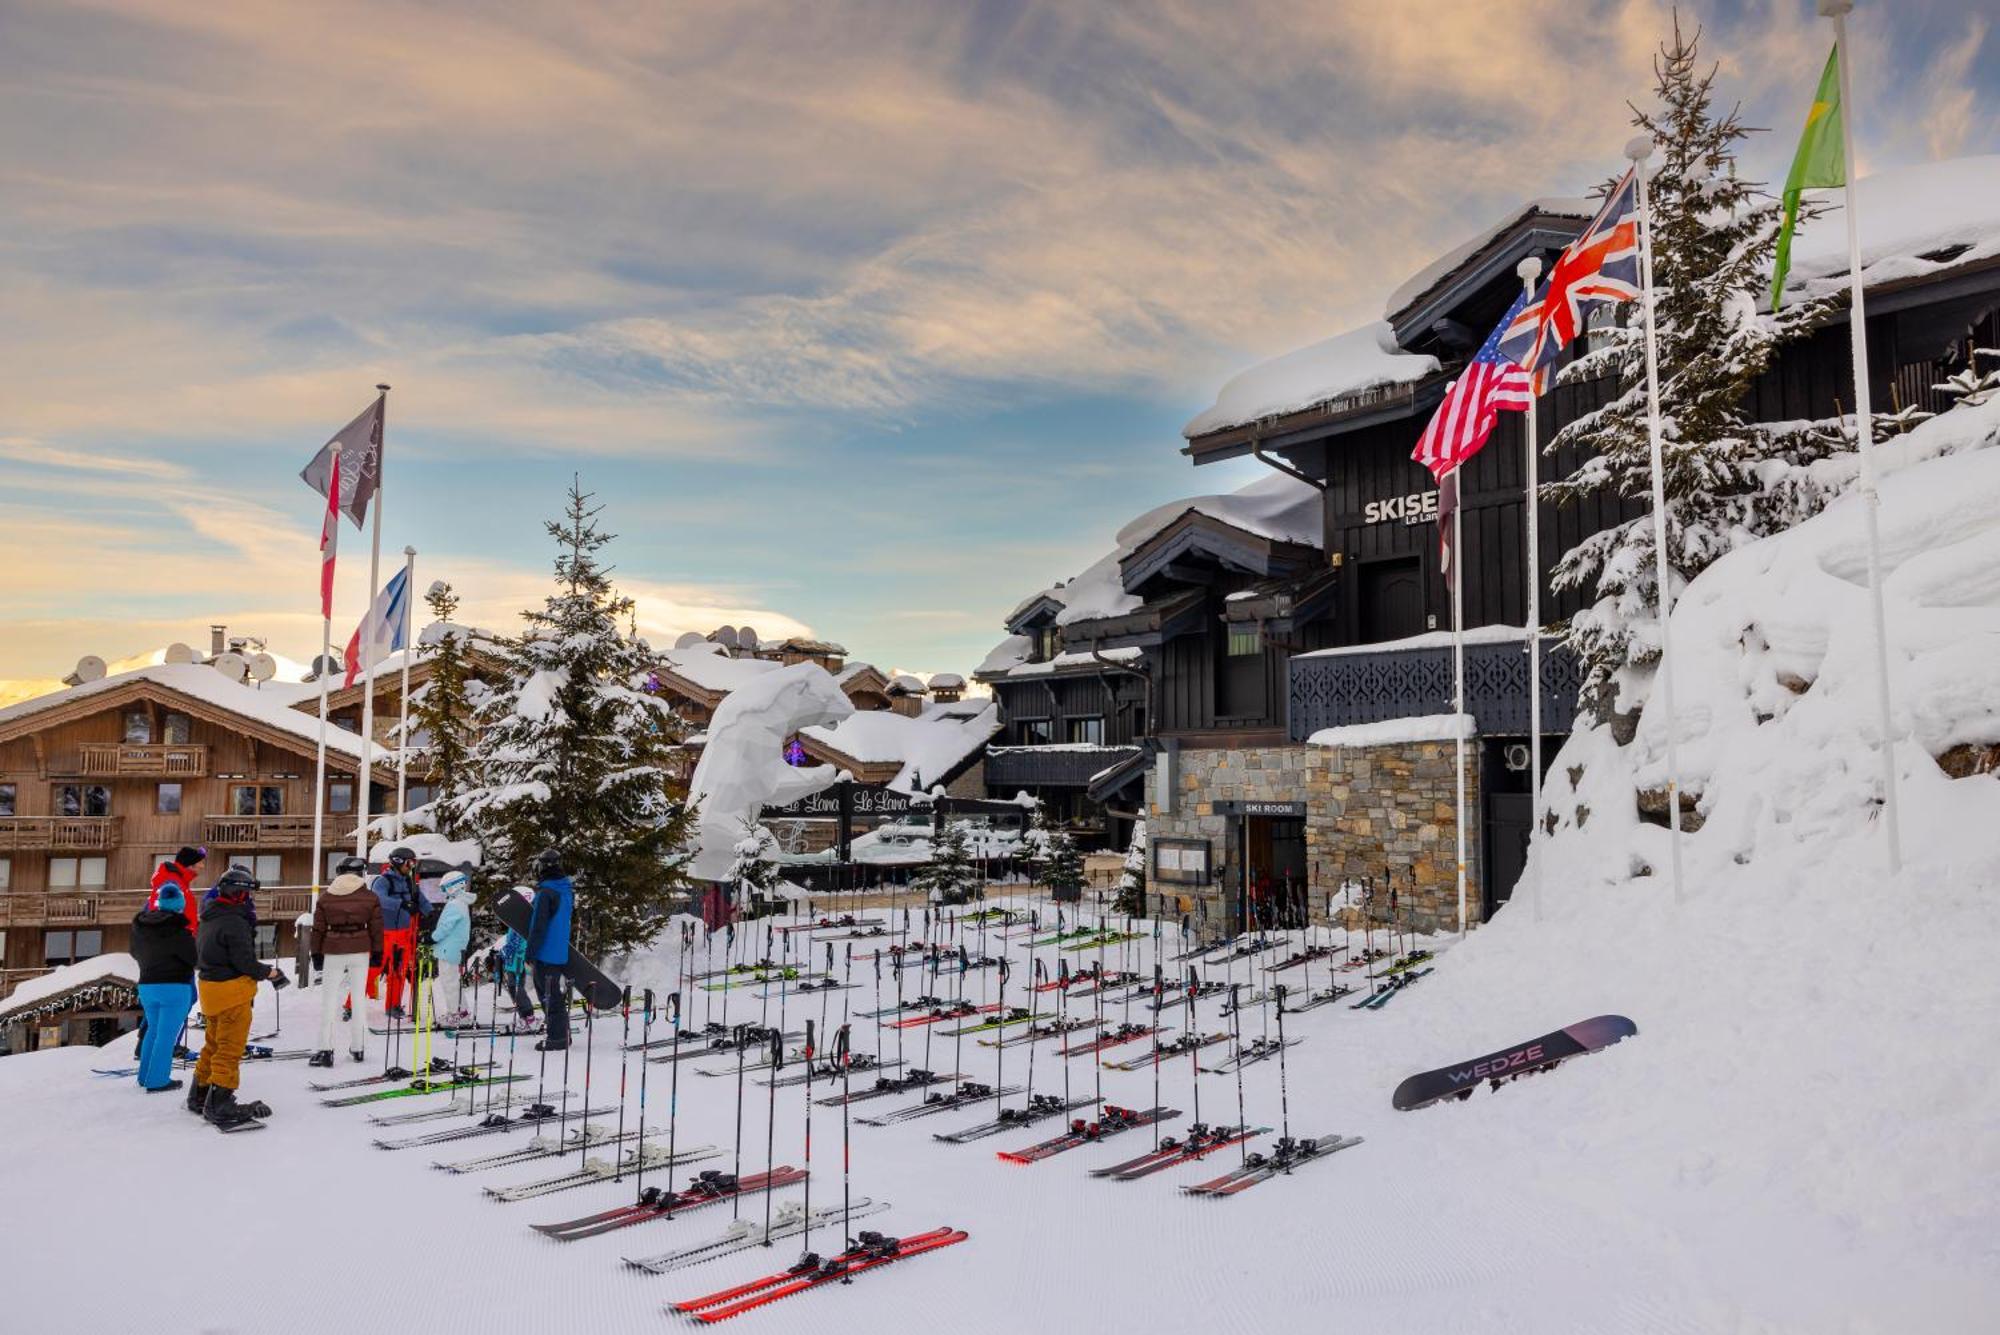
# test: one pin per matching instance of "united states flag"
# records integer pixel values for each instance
(1471, 407)
(1600, 267)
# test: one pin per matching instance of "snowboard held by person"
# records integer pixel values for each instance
(163, 946)
(347, 938)
(227, 974)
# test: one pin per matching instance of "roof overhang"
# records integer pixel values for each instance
(1533, 233)
(1312, 426)
(1197, 539)
(1034, 613)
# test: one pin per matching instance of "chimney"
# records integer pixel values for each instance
(218, 640)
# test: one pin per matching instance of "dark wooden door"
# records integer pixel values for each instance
(1510, 817)
(1392, 600)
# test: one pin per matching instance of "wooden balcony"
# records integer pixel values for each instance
(241, 833)
(61, 833)
(117, 760)
(79, 908)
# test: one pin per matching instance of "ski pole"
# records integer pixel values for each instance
(771, 1125)
(1194, 1053)
(1242, 1120)
(645, 1041)
(842, 1043)
(624, 1061)
(673, 1095)
(562, 1114)
(742, 1042)
(808, 1182)
(1284, 1093)
(1000, 1070)
(1159, 993)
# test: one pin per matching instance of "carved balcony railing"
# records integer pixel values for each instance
(1335, 690)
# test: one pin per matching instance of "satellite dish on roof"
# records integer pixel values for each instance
(263, 667)
(725, 636)
(326, 664)
(179, 653)
(231, 665)
(746, 638)
(89, 668)
(689, 639)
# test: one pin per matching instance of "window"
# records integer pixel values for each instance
(1035, 732)
(251, 800)
(6, 881)
(268, 868)
(177, 728)
(1090, 730)
(6, 799)
(167, 799)
(1138, 724)
(334, 858)
(138, 727)
(1245, 641)
(66, 947)
(1048, 643)
(418, 794)
(77, 874)
(265, 940)
(340, 798)
(83, 799)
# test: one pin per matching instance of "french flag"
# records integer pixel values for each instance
(381, 632)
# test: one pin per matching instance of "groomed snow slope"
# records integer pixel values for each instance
(1804, 1136)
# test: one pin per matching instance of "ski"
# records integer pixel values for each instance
(1323, 998)
(1256, 1050)
(1541, 1054)
(1101, 940)
(934, 1102)
(1038, 1108)
(1300, 957)
(1240, 1002)
(541, 1147)
(914, 1004)
(493, 1124)
(711, 1187)
(763, 1063)
(886, 1086)
(419, 1088)
(1105, 983)
(954, 1011)
(1182, 996)
(1168, 1051)
(872, 1251)
(1407, 963)
(789, 1220)
(1123, 1034)
(1015, 1015)
(440, 1066)
(1081, 1132)
(1382, 995)
(1283, 1158)
(753, 1037)
(602, 1170)
(755, 980)
(860, 1063)
(1036, 1033)
(1201, 1141)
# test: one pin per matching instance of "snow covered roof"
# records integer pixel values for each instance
(947, 681)
(1360, 359)
(271, 708)
(1947, 211)
(117, 967)
(1009, 653)
(926, 748)
(1428, 277)
(1081, 659)
(905, 684)
(708, 667)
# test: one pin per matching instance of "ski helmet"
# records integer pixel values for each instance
(401, 856)
(454, 884)
(351, 866)
(548, 865)
(236, 883)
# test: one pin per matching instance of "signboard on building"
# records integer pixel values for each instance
(1181, 861)
(1282, 810)
(1418, 507)
(826, 804)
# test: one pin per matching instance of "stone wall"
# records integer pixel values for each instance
(1384, 814)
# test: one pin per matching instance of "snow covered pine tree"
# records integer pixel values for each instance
(442, 710)
(950, 876)
(1131, 899)
(755, 869)
(1713, 236)
(573, 751)
(1062, 867)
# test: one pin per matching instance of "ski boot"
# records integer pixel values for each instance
(357, 1054)
(197, 1099)
(161, 1089)
(223, 1111)
(322, 1059)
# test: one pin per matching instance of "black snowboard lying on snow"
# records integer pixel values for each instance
(589, 980)
(1540, 1054)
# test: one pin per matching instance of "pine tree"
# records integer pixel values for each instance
(573, 751)
(1713, 235)
(755, 869)
(950, 877)
(442, 712)
(1131, 900)
(1062, 867)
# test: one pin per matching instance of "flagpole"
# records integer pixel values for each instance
(1530, 269)
(320, 671)
(1639, 150)
(403, 707)
(368, 641)
(1458, 673)
(1864, 434)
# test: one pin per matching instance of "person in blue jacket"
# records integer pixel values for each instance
(449, 938)
(548, 945)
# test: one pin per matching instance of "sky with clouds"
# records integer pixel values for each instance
(867, 318)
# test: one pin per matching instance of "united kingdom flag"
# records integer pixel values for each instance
(1600, 267)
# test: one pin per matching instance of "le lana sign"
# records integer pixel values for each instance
(1418, 507)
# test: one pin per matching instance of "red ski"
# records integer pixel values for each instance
(1124, 1033)
(871, 1251)
(941, 1013)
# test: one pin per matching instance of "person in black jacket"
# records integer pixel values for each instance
(164, 949)
(229, 971)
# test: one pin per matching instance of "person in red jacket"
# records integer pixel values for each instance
(179, 870)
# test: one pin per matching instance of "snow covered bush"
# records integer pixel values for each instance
(573, 752)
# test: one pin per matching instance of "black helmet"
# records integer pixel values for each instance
(400, 855)
(548, 865)
(235, 883)
(351, 866)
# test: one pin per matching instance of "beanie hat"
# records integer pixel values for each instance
(190, 855)
(171, 899)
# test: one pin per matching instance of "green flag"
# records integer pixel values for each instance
(1821, 161)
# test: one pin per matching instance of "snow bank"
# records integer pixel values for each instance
(1430, 639)
(742, 768)
(1390, 732)
(1360, 359)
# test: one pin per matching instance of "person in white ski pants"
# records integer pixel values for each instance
(449, 939)
(346, 941)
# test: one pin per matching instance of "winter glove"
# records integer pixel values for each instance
(319, 962)
(278, 980)
(374, 959)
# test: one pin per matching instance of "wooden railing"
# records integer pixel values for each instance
(72, 908)
(245, 832)
(87, 833)
(117, 759)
